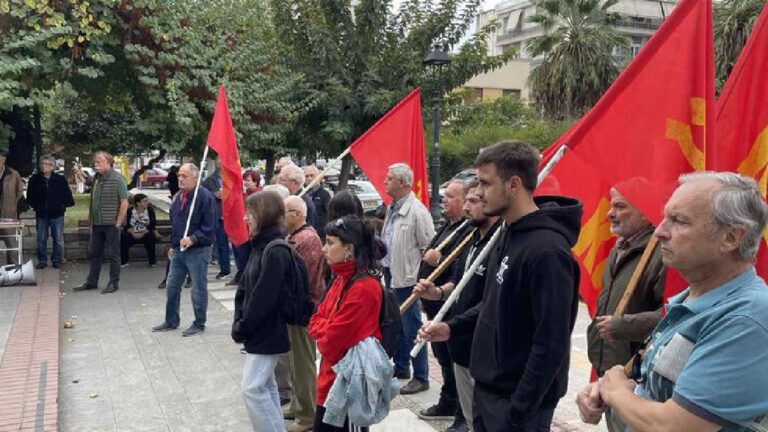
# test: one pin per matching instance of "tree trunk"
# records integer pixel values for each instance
(143, 169)
(269, 168)
(346, 168)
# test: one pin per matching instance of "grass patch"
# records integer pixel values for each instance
(80, 211)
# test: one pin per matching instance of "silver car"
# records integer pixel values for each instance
(367, 194)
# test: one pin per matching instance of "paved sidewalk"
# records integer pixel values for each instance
(115, 374)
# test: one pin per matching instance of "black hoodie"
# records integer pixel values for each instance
(521, 344)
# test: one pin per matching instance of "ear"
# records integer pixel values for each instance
(514, 183)
(733, 237)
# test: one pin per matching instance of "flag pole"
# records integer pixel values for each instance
(480, 258)
(325, 170)
(194, 197)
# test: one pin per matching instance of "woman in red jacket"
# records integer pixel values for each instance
(349, 312)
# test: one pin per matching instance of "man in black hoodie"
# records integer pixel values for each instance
(521, 344)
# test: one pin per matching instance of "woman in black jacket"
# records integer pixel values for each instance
(259, 322)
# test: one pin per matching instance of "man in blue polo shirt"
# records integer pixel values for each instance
(706, 368)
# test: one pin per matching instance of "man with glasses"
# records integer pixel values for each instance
(49, 195)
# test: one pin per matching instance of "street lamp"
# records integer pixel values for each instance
(436, 59)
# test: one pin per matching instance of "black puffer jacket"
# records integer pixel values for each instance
(259, 321)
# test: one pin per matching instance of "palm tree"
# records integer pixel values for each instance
(732, 21)
(578, 46)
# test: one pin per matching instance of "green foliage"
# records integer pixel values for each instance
(733, 20)
(578, 64)
(503, 111)
(361, 61)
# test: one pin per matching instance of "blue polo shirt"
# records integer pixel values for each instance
(710, 355)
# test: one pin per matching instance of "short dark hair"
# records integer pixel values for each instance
(267, 209)
(512, 158)
(473, 185)
(344, 203)
(138, 197)
(253, 175)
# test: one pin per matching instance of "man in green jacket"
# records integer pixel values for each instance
(614, 340)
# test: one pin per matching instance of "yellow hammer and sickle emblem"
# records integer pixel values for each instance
(593, 234)
(755, 162)
(683, 135)
(418, 189)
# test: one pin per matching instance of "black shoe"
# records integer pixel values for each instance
(111, 287)
(162, 285)
(164, 327)
(232, 283)
(55, 265)
(188, 283)
(402, 375)
(222, 275)
(192, 330)
(459, 425)
(285, 401)
(40, 266)
(414, 386)
(85, 286)
(436, 412)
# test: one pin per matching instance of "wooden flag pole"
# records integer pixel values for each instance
(450, 237)
(438, 271)
(636, 277)
(327, 168)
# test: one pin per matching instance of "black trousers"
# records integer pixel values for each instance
(149, 241)
(105, 243)
(319, 426)
(448, 394)
(490, 414)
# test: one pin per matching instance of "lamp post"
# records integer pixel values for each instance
(436, 59)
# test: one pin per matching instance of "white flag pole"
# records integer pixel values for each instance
(194, 197)
(481, 257)
(325, 170)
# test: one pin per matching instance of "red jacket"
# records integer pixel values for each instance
(336, 330)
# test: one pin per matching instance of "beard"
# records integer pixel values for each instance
(477, 222)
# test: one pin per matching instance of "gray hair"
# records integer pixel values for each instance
(193, 169)
(298, 202)
(293, 173)
(402, 172)
(737, 202)
(278, 189)
(48, 158)
(462, 183)
(110, 159)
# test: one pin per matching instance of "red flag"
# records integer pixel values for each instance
(396, 137)
(595, 239)
(652, 123)
(742, 121)
(222, 139)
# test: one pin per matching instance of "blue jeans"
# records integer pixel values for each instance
(56, 228)
(259, 391)
(193, 261)
(410, 323)
(222, 248)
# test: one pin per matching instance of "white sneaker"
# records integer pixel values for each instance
(124, 265)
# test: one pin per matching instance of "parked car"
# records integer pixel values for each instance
(367, 194)
(155, 178)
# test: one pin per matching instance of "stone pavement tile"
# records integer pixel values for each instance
(181, 417)
(229, 413)
(9, 301)
(402, 420)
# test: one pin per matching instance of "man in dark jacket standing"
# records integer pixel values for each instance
(49, 195)
(319, 197)
(613, 340)
(520, 356)
(190, 250)
(214, 185)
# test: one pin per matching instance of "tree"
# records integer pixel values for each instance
(578, 46)
(733, 20)
(362, 60)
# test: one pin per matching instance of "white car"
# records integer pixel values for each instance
(366, 193)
